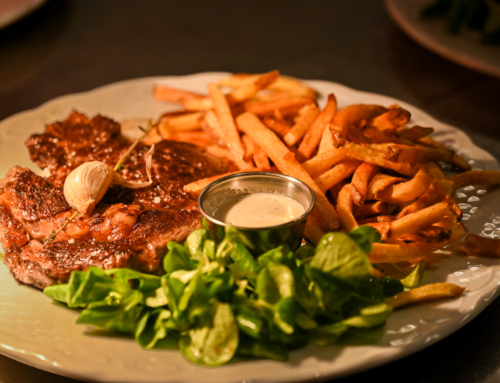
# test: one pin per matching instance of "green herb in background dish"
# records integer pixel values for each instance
(217, 300)
(482, 15)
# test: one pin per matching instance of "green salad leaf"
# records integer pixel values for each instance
(219, 297)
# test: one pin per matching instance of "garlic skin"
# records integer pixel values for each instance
(86, 185)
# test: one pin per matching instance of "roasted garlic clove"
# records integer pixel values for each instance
(86, 185)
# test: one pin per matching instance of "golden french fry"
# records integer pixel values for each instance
(260, 158)
(307, 115)
(391, 120)
(353, 116)
(366, 154)
(456, 160)
(438, 190)
(384, 136)
(417, 153)
(153, 137)
(406, 191)
(369, 209)
(324, 161)
(426, 293)
(402, 252)
(210, 123)
(313, 135)
(184, 121)
(434, 170)
(478, 246)
(336, 174)
(344, 208)
(196, 137)
(248, 89)
(284, 84)
(231, 136)
(380, 182)
(276, 126)
(415, 133)
(285, 161)
(360, 181)
(313, 230)
(476, 177)
(249, 146)
(327, 141)
(195, 104)
(195, 188)
(220, 152)
(165, 93)
(288, 105)
(419, 220)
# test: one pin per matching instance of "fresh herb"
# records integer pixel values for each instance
(218, 300)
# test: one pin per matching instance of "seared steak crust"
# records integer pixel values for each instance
(129, 228)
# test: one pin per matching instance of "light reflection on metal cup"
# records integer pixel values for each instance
(220, 195)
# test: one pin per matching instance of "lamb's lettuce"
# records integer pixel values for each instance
(220, 297)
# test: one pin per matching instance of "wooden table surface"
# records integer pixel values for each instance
(70, 46)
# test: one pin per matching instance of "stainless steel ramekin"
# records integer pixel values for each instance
(217, 197)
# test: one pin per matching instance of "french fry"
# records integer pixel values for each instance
(195, 188)
(333, 176)
(402, 252)
(415, 133)
(196, 104)
(307, 115)
(354, 116)
(249, 146)
(248, 89)
(327, 141)
(184, 121)
(260, 158)
(419, 220)
(335, 190)
(426, 293)
(313, 135)
(434, 170)
(198, 137)
(478, 246)
(456, 160)
(476, 177)
(391, 120)
(165, 93)
(231, 135)
(344, 208)
(285, 161)
(418, 153)
(211, 125)
(406, 191)
(276, 126)
(324, 161)
(384, 136)
(375, 157)
(286, 84)
(313, 230)
(380, 182)
(288, 105)
(220, 152)
(369, 209)
(438, 190)
(360, 180)
(153, 137)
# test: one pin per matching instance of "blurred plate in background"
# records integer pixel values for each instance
(464, 49)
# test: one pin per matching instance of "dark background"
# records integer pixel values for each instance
(74, 46)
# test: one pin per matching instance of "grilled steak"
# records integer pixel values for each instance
(129, 228)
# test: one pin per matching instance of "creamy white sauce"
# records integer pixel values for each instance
(263, 210)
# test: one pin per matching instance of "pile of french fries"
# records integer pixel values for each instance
(364, 163)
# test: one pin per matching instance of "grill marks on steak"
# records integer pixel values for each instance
(129, 228)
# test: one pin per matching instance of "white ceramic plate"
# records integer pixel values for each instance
(464, 49)
(38, 332)
(13, 10)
